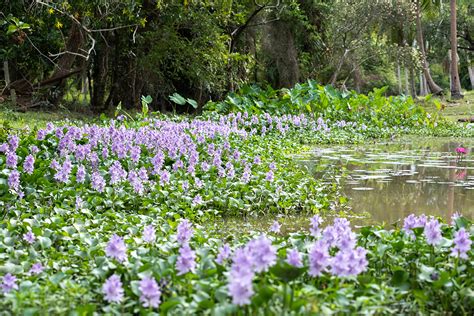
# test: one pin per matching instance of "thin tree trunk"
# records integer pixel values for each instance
(407, 86)
(423, 85)
(412, 83)
(470, 69)
(434, 88)
(6, 72)
(455, 82)
(74, 43)
(399, 77)
(338, 69)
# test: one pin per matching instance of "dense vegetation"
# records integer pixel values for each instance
(100, 53)
(105, 217)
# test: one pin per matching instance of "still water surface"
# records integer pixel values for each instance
(384, 182)
(394, 179)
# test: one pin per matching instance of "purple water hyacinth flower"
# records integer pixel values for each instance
(149, 234)
(198, 183)
(455, 216)
(349, 262)
(339, 264)
(221, 172)
(314, 229)
(347, 241)
(242, 264)
(98, 182)
(462, 244)
(293, 258)
(79, 203)
(197, 200)
(164, 177)
(358, 261)
(224, 254)
(41, 135)
(432, 232)
(29, 164)
(62, 175)
(241, 291)
(135, 153)
(55, 165)
(136, 182)
(29, 237)
(421, 220)
(143, 174)
(184, 231)
(205, 166)
(319, 258)
(185, 186)
(4, 147)
(13, 142)
(80, 174)
(14, 180)
(11, 159)
(112, 289)
(272, 166)
(247, 174)
(9, 283)
(409, 223)
(116, 172)
(270, 176)
(186, 261)
(230, 173)
(116, 248)
(257, 160)
(157, 162)
(263, 253)
(240, 277)
(150, 293)
(105, 153)
(275, 228)
(36, 268)
(330, 236)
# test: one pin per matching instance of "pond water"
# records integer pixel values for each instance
(383, 182)
(393, 179)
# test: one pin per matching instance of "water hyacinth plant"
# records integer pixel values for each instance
(108, 218)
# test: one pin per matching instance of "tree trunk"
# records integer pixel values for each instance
(99, 78)
(470, 69)
(407, 86)
(412, 83)
(6, 72)
(434, 88)
(399, 77)
(339, 66)
(423, 86)
(357, 77)
(74, 42)
(455, 82)
(280, 45)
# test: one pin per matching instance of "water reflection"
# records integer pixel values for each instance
(393, 180)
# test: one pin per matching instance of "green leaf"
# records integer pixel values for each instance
(169, 304)
(45, 242)
(192, 102)
(178, 99)
(286, 272)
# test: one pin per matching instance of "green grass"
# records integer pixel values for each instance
(32, 119)
(456, 109)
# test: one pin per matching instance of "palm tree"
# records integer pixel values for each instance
(434, 88)
(455, 83)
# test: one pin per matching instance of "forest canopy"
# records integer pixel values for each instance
(102, 52)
